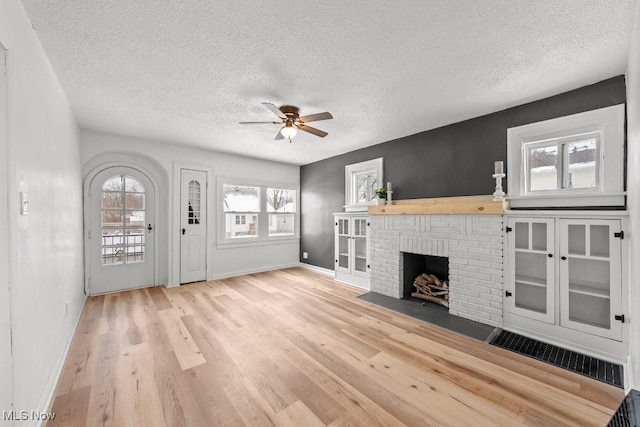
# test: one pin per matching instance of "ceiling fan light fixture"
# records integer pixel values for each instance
(288, 131)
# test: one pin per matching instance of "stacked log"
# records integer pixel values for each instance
(430, 288)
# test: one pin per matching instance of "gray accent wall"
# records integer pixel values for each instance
(453, 160)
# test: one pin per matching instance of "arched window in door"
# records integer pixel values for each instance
(194, 202)
(123, 219)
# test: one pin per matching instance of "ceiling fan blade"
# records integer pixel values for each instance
(255, 123)
(316, 132)
(275, 110)
(279, 135)
(315, 117)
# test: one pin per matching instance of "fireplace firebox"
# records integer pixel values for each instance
(416, 264)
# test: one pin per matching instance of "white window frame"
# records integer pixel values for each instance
(263, 216)
(563, 177)
(373, 166)
(607, 122)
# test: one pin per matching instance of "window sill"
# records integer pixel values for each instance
(586, 200)
(359, 208)
(255, 242)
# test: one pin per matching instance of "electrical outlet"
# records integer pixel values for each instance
(305, 255)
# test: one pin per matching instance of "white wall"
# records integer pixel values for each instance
(45, 247)
(98, 147)
(6, 383)
(633, 191)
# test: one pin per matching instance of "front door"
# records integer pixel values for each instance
(121, 231)
(193, 220)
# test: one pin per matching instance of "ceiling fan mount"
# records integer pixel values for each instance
(290, 111)
(291, 121)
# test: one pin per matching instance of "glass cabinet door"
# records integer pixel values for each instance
(360, 245)
(529, 289)
(590, 276)
(343, 247)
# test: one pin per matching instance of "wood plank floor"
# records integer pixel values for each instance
(295, 348)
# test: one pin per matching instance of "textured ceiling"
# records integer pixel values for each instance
(187, 71)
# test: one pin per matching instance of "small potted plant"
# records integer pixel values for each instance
(381, 193)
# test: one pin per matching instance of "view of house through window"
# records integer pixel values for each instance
(123, 217)
(258, 211)
(240, 201)
(281, 205)
(565, 163)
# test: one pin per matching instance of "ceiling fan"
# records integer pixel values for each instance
(289, 117)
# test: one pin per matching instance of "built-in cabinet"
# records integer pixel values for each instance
(530, 290)
(565, 279)
(352, 248)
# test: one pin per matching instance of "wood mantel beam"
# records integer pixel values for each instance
(466, 205)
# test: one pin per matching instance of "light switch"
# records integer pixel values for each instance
(24, 203)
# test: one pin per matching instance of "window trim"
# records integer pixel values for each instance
(608, 122)
(350, 173)
(263, 216)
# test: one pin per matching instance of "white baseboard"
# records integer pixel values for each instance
(46, 399)
(317, 269)
(253, 271)
(353, 285)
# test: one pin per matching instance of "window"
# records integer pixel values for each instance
(194, 202)
(563, 163)
(254, 212)
(570, 161)
(123, 216)
(281, 206)
(361, 181)
(238, 201)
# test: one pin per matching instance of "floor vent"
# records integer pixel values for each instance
(628, 414)
(600, 370)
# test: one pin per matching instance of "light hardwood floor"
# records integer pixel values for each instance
(295, 348)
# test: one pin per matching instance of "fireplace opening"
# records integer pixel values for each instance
(426, 277)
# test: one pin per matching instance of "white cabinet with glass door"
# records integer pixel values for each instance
(590, 270)
(565, 281)
(530, 291)
(352, 249)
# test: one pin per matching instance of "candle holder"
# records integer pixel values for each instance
(498, 195)
(389, 197)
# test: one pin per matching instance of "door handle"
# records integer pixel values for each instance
(149, 227)
(184, 230)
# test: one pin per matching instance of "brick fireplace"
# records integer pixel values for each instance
(472, 244)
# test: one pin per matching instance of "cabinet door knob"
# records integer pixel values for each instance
(550, 255)
(564, 258)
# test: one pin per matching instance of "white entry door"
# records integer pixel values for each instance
(193, 220)
(121, 231)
